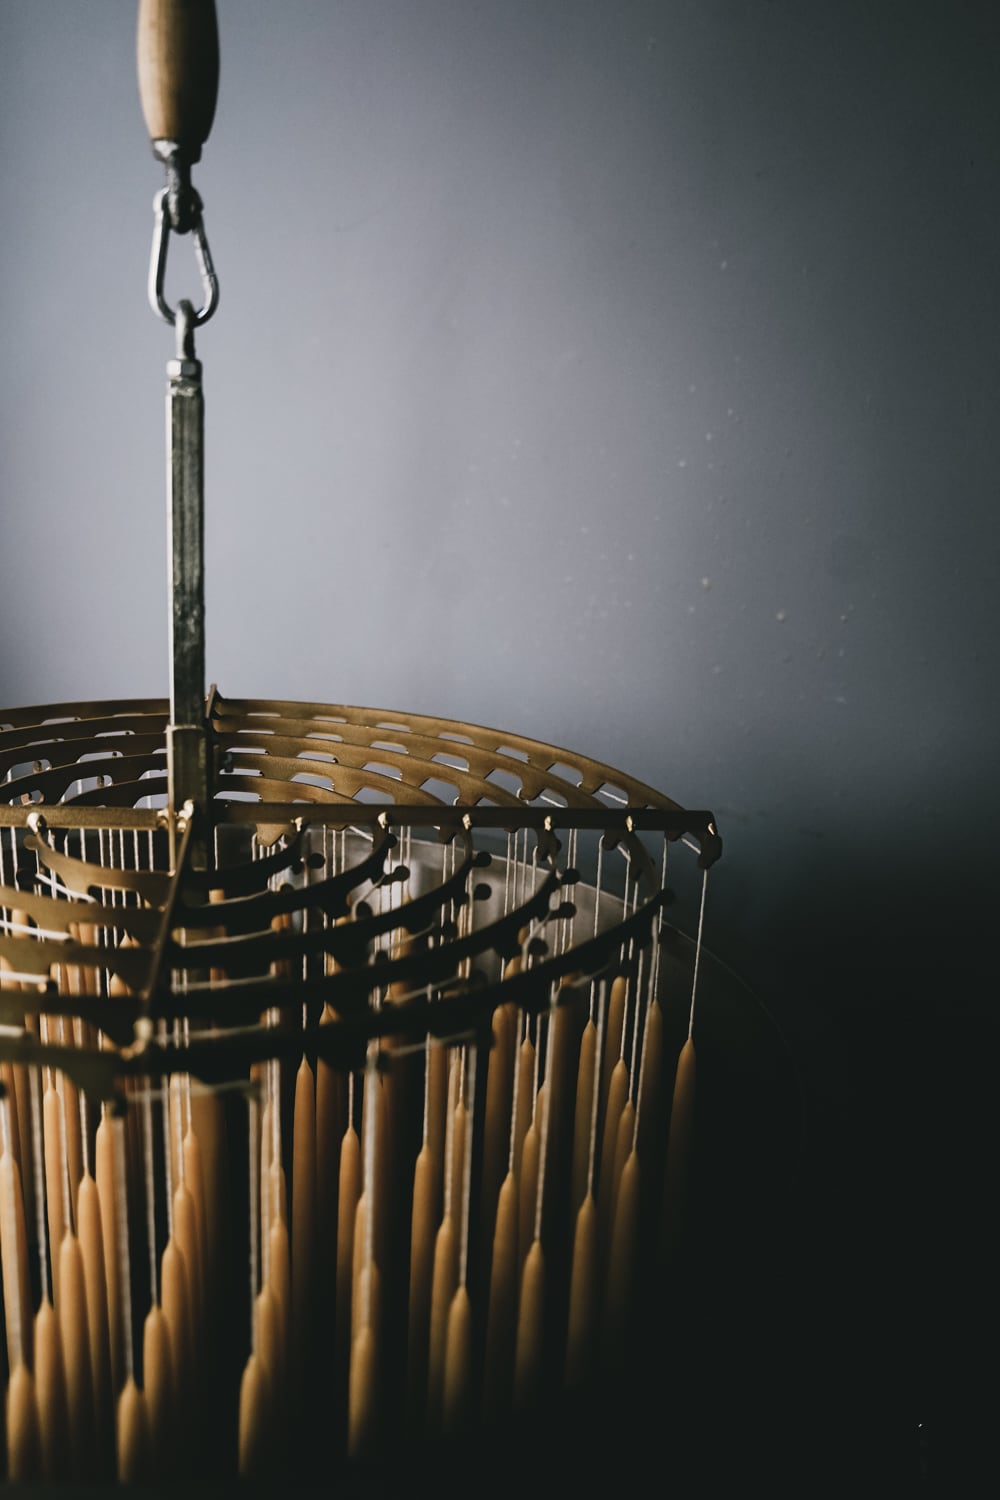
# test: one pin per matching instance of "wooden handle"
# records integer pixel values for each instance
(178, 61)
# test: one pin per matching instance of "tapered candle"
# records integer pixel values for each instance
(581, 1332)
(253, 1442)
(17, 1299)
(104, 1177)
(422, 1234)
(347, 1202)
(133, 1443)
(457, 1401)
(614, 1030)
(530, 1346)
(175, 1301)
(92, 1250)
(502, 1313)
(363, 1406)
(158, 1390)
(443, 1283)
(303, 1220)
(679, 1146)
(24, 1451)
(54, 1170)
(583, 1115)
(75, 1337)
(527, 1186)
(50, 1393)
(620, 1301)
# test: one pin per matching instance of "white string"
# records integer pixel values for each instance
(425, 1134)
(168, 1148)
(569, 922)
(597, 911)
(186, 1084)
(636, 1016)
(463, 1257)
(598, 882)
(82, 1101)
(147, 1147)
(176, 1088)
(371, 1099)
(253, 1126)
(537, 1062)
(544, 1136)
(697, 951)
(264, 1185)
(624, 1030)
(596, 1093)
(121, 1226)
(449, 1135)
(11, 1271)
(519, 1042)
(625, 892)
(469, 913)
(275, 1136)
(654, 969)
(41, 1189)
(657, 925)
(60, 1084)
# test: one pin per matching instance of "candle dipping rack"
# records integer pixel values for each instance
(347, 1055)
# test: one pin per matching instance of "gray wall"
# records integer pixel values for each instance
(623, 375)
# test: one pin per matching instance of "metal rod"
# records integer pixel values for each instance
(187, 755)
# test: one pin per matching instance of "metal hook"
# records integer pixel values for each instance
(158, 263)
(185, 323)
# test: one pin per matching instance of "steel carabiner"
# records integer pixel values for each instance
(158, 263)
